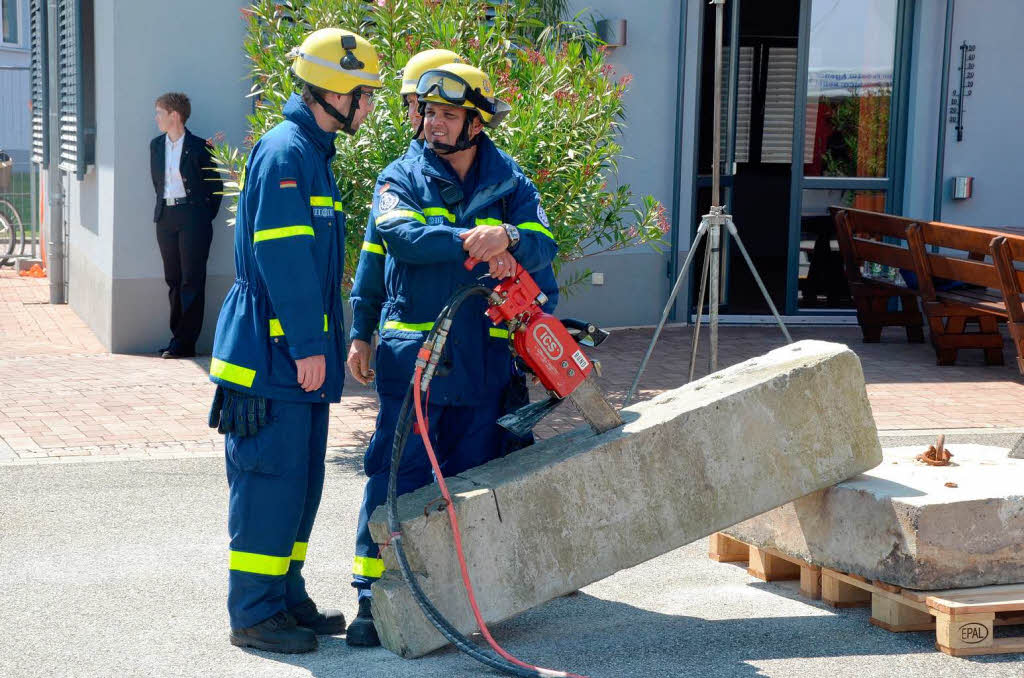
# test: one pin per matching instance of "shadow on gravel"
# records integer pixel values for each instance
(601, 638)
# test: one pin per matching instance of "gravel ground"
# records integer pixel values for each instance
(117, 569)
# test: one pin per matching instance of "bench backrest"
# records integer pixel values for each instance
(974, 243)
(860, 236)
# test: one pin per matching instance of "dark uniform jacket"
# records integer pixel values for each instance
(418, 211)
(286, 302)
(203, 184)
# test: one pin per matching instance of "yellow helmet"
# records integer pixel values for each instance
(464, 86)
(336, 60)
(424, 61)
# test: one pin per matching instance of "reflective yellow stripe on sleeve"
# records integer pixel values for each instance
(236, 374)
(257, 563)
(439, 212)
(411, 327)
(282, 232)
(321, 201)
(367, 567)
(299, 550)
(498, 333)
(534, 226)
(373, 247)
(399, 214)
(277, 331)
(487, 221)
(338, 206)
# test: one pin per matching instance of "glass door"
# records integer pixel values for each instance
(852, 69)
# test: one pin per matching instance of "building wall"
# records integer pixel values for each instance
(647, 139)
(992, 150)
(112, 247)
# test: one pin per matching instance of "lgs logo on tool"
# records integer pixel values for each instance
(547, 340)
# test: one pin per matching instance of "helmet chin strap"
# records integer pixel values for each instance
(462, 143)
(346, 122)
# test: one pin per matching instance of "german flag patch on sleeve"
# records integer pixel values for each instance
(288, 183)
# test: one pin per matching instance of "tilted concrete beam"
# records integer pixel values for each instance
(577, 508)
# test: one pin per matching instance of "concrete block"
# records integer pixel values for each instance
(577, 508)
(900, 523)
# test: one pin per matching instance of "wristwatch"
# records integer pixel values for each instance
(513, 236)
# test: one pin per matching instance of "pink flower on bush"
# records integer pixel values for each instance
(607, 70)
(543, 177)
(661, 218)
(625, 80)
(474, 42)
(535, 57)
(563, 95)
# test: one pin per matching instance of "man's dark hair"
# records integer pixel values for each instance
(308, 91)
(176, 102)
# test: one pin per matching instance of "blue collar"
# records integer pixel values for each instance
(298, 112)
(488, 162)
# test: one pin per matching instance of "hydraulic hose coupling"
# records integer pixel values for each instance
(443, 328)
(424, 353)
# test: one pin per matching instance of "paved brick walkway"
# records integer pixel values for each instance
(65, 399)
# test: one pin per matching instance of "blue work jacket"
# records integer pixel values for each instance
(286, 301)
(368, 291)
(417, 213)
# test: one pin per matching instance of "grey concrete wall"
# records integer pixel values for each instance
(993, 145)
(111, 210)
(636, 285)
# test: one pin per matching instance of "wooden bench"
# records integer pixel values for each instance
(1005, 251)
(860, 235)
(992, 293)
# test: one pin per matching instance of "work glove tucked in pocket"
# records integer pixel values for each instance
(238, 413)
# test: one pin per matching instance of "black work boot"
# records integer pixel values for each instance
(280, 633)
(326, 623)
(361, 631)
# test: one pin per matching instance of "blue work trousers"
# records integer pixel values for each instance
(275, 479)
(462, 437)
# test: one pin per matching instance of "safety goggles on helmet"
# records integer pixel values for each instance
(453, 89)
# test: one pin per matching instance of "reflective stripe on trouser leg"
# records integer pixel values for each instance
(268, 477)
(295, 586)
(415, 472)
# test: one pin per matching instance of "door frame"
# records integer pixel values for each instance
(892, 184)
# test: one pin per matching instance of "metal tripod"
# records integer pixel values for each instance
(710, 230)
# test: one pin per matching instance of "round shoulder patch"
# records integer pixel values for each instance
(387, 202)
(541, 217)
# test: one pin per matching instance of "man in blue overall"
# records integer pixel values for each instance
(278, 356)
(368, 293)
(459, 198)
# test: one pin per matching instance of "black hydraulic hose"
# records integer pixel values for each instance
(405, 419)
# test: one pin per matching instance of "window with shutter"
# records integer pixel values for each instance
(40, 83)
(11, 33)
(76, 102)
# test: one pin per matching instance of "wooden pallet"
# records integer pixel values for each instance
(963, 619)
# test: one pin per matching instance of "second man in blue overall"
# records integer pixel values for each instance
(459, 198)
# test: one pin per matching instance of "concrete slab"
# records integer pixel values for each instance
(908, 524)
(579, 507)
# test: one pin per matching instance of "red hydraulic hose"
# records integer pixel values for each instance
(457, 537)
